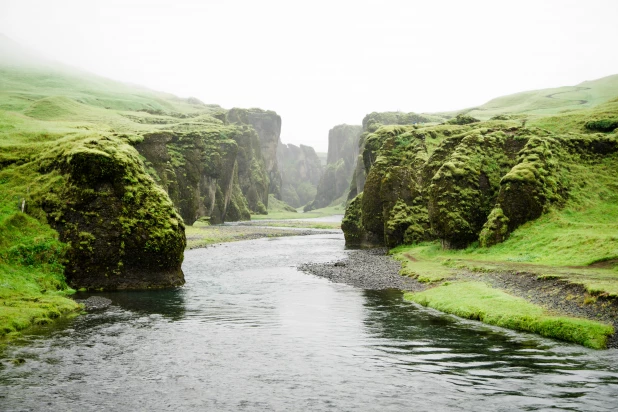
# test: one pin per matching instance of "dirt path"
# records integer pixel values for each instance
(575, 101)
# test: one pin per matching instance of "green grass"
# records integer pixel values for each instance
(537, 103)
(476, 300)
(281, 215)
(32, 286)
(45, 110)
(298, 223)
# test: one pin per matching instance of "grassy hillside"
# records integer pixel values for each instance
(535, 103)
(50, 114)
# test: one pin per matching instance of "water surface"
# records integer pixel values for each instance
(250, 332)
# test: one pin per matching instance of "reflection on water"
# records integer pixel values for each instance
(169, 303)
(250, 332)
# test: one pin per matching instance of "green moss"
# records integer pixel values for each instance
(495, 230)
(476, 300)
(462, 119)
(602, 125)
(351, 223)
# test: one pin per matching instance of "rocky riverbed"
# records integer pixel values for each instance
(366, 269)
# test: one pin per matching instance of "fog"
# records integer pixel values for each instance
(322, 63)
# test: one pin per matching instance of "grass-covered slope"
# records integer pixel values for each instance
(536, 103)
(80, 207)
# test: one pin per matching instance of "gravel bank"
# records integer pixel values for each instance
(559, 296)
(366, 269)
(372, 269)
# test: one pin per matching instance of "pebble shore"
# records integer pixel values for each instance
(366, 269)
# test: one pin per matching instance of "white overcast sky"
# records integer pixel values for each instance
(322, 63)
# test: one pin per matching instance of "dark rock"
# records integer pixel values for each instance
(95, 303)
(122, 229)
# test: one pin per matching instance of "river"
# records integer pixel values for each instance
(250, 332)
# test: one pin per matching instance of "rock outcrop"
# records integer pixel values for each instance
(121, 228)
(217, 170)
(301, 171)
(267, 124)
(199, 172)
(462, 183)
(342, 149)
(371, 123)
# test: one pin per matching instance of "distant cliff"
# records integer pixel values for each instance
(217, 170)
(342, 149)
(267, 124)
(301, 171)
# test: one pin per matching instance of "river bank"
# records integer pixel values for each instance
(520, 300)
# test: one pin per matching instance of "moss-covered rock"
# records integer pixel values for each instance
(540, 179)
(462, 119)
(366, 153)
(121, 227)
(351, 224)
(463, 183)
(463, 190)
(267, 124)
(197, 170)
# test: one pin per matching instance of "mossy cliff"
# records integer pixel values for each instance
(464, 183)
(199, 171)
(267, 124)
(371, 123)
(342, 147)
(301, 171)
(120, 229)
(215, 169)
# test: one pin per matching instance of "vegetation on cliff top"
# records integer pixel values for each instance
(466, 198)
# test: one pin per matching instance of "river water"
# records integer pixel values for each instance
(250, 332)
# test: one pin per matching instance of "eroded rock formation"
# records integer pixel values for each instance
(342, 149)
(301, 171)
(462, 183)
(267, 124)
(121, 228)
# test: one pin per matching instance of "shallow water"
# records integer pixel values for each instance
(250, 332)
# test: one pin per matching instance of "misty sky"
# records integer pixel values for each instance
(322, 63)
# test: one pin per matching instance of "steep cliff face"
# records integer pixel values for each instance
(371, 123)
(342, 149)
(463, 183)
(121, 229)
(301, 171)
(199, 171)
(267, 124)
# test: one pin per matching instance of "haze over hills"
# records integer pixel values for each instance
(547, 101)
